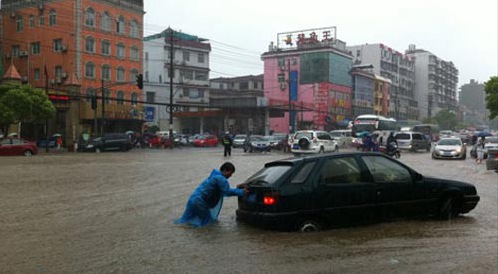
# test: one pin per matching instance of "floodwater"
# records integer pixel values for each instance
(114, 213)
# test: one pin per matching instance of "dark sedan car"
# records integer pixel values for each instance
(108, 142)
(317, 192)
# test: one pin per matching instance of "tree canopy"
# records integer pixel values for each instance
(446, 119)
(491, 89)
(23, 103)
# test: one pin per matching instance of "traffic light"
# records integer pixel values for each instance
(140, 81)
(94, 102)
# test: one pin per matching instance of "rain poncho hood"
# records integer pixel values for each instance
(204, 205)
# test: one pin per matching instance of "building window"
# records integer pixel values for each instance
(58, 73)
(15, 50)
(186, 56)
(31, 21)
(107, 95)
(160, 78)
(120, 51)
(202, 76)
(133, 74)
(35, 48)
(106, 72)
(188, 74)
(90, 17)
(244, 86)
(134, 29)
(120, 75)
(90, 45)
(90, 92)
(134, 98)
(120, 25)
(90, 70)
(52, 17)
(19, 24)
(57, 45)
(134, 55)
(150, 97)
(105, 48)
(200, 57)
(120, 97)
(41, 20)
(105, 23)
(37, 74)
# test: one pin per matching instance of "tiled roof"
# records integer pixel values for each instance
(72, 81)
(12, 73)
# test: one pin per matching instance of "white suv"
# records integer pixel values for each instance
(313, 141)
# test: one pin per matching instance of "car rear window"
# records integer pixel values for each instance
(403, 136)
(300, 135)
(268, 176)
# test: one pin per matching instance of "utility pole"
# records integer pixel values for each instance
(46, 120)
(171, 75)
(291, 125)
(103, 109)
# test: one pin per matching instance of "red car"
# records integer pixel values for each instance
(157, 141)
(205, 141)
(13, 146)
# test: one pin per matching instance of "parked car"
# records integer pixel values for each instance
(449, 148)
(492, 160)
(157, 141)
(247, 143)
(205, 141)
(313, 141)
(16, 146)
(328, 190)
(278, 141)
(109, 142)
(342, 136)
(239, 140)
(262, 144)
(413, 141)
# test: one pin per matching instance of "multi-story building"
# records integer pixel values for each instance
(177, 64)
(243, 103)
(472, 99)
(436, 82)
(371, 92)
(307, 80)
(396, 67)
(75, 48)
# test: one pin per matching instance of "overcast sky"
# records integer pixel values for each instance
(464, 32)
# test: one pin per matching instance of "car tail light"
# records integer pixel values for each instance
(270, 198)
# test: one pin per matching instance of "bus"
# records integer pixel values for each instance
(374, 123)
(430, 131)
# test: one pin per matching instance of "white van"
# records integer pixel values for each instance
(343, 137)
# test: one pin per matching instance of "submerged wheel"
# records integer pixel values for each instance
(448, 209)
(28, 153)
(97, 150)
(309, 225)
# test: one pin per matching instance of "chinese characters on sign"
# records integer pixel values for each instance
(312, 36)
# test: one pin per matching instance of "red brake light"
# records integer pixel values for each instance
(268, 200)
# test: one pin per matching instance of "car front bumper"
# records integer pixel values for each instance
(448, 154)
(469, 202)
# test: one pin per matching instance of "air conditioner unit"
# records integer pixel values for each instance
(63, 48)
(25, 79)
(7, 55)
(40, 7)
(12, 15)
(64, 75)
(58, 80)
(52, 81)
(282, 67)
(283, 86)
(23, 53)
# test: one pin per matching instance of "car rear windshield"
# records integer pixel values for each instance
(268, 176)
(300, 135)
(403, 136)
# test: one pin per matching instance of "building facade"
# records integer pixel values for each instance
(472, 99)
(79, 48)
(399, 69)
(307, 81)
(187, 57)
(436, 82)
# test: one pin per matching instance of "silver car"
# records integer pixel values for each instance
(313, 141)
(449, 148)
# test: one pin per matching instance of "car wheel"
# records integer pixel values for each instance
(414, 149)
(28, 153)
(97, 150)
(397, 155)
(447, 209)
(321, 150)
(309, 225)
(336, 149)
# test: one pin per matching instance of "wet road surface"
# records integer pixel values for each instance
(114, 212)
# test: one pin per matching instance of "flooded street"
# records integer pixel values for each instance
(114, 213)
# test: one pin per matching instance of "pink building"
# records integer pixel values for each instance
(308, 85)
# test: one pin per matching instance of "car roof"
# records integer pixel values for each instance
(296, 160)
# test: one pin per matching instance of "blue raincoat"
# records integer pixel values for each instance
(204, 205)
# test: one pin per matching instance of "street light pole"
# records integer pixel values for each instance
(171, 75)
(103, 109)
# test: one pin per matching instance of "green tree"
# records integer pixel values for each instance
(446, 119)
(23, 103)
(491, 88)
